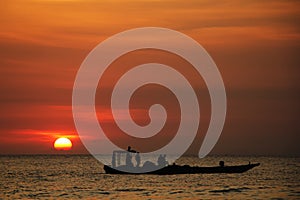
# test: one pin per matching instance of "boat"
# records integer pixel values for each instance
(151, 168)
(186, 169)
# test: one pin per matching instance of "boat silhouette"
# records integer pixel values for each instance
(163, 168)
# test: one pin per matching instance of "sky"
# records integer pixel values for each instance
(255, 45)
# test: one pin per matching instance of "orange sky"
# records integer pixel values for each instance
(254, 43)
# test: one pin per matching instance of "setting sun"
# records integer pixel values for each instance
(62, 144)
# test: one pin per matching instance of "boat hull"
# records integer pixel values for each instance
(186, 169)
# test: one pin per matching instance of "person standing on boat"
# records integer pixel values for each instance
(138, 159)
(161, 161)
(113, 161)
(129, 160)
(165, 160)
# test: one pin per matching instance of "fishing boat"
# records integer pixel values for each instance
(152, 168)
(186, 169)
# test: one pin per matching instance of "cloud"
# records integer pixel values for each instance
(42, 44)
(77, 24)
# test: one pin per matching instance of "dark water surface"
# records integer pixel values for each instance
(74, 177)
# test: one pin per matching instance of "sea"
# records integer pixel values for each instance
(83, 177)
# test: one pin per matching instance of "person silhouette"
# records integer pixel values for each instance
(221, 163)
(131, 150)
(165, 160)
(138, 159)
(161, 161)
(129, 160)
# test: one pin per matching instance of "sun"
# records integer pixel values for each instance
(62, 143)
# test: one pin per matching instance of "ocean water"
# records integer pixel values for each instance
(82, 176)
